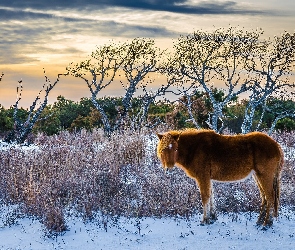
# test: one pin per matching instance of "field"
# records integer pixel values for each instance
(70, 185)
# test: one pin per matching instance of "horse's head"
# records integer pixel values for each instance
(167, 149)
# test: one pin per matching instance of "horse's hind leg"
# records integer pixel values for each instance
(266, 184)
(213, 215)
(262, 212)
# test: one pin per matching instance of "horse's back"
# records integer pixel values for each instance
(228, 157)
(256, 144)
(256, 147)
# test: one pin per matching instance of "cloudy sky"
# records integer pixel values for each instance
(37, 34)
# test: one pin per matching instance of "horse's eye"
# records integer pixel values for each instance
(170, 146)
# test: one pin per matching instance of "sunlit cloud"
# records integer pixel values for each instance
(63, 33)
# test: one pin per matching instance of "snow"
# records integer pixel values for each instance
(25, 148)
(230, 231)
(289, 152)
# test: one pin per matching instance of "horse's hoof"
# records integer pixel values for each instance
(259, 223)
(267, 225)
(204, 222)
(213, 218)
(265, 228)
(207, 222)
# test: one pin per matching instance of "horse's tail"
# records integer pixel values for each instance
(276, 189)
(276, 184)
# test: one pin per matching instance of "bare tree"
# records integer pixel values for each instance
(141, 118)
(217, 58)
(22, 129)
(190, 104)
(271, 70)
(280, 116)
(131, 61)
(141, 61)
(103, 67)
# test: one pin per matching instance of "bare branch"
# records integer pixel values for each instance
(272, 69)
(217, 57)
(134, 60)
(22, 129)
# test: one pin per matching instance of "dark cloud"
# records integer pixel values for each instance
(181, 6)
(176, 6)
(60, 24)
(18, 14)
(114, 29)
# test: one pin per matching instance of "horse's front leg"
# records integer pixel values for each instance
(209, 215)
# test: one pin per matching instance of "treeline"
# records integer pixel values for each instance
(65, 114)
(241, 63)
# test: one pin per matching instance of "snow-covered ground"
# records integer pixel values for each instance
(234, 231)
(7, 146)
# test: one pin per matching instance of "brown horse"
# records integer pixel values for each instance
(205, 155)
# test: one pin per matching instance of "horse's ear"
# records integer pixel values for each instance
(160, 135)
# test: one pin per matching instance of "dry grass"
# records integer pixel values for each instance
(87, 172)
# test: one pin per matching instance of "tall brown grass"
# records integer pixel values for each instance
(117, 176)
